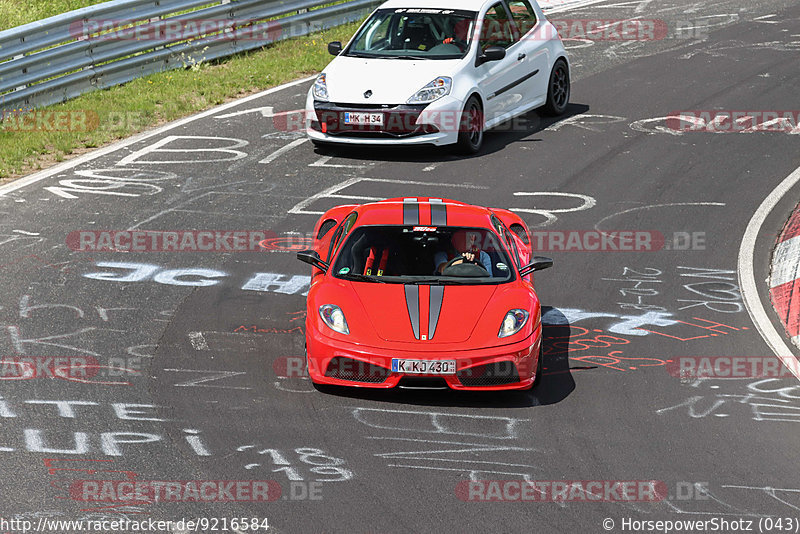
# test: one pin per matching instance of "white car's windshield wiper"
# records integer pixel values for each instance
(370, 56)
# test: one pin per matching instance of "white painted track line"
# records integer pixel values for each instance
(283, 150)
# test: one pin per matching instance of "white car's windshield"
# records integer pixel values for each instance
(415, 34)
(423, 255)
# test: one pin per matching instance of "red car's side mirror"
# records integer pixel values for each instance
(539, 263)
(312, 258)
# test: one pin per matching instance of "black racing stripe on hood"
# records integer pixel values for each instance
(434, 309)
(412, 303)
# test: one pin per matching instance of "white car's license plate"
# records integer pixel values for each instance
(424, 367)
(363, 119)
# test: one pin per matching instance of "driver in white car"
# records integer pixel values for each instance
(467, 244)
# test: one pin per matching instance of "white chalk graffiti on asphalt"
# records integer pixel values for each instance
(629, 325)
(15, 238)
(766, 400)
(723, 48)
(550, 216)
(198, 277)
(681, 124)
(336, 193)
(720, 293)
(23, 334)
(116, 182)
(230, 150)
(320, 462)
(109, 443)
(208, 376)
(143, 271)
(483, 426)
(446, 440)
(717, 291)
(592, 123)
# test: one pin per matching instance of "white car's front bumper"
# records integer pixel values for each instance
(443, 116)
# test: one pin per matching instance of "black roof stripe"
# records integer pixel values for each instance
(438, 212)
(410, 211)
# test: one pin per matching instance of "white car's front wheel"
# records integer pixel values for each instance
(470, 131)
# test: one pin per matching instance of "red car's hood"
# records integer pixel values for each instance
(435, 314)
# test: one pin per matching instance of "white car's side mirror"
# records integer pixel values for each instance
(492, 53)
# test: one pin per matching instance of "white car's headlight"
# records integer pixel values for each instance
(321, 88)
(334, 317)
(513, 322)
(433, 91)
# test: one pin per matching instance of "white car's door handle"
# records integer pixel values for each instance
(521, 57)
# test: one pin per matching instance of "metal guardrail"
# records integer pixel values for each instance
(61, 57)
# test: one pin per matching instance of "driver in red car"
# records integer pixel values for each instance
(467, 244)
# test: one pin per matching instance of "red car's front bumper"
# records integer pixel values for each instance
(349, 364)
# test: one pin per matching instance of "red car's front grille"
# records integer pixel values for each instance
(356, 371)
(493, 374)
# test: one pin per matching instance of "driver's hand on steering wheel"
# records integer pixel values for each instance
(469, 257)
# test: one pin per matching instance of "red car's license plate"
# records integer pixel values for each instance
(424, 367)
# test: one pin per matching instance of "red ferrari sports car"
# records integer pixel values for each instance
(423, 293)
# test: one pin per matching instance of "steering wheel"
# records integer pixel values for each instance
(461, 44)
(470, 268)
(457, 258)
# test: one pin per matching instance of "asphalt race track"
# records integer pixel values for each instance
(193, 356)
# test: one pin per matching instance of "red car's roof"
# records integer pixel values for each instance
(423, 211)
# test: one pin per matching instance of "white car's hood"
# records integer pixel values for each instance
(392, 81)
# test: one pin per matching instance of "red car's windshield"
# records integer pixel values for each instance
(421, 254)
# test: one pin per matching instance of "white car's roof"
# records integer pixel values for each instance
(468, 5)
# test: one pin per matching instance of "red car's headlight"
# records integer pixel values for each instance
(333, 317)
(513, 322)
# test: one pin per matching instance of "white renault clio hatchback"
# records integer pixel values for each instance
(439, 72)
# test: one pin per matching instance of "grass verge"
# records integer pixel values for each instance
(122, 111)
(18, 12)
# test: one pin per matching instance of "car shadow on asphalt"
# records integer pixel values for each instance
(556, 385)
(518, 130)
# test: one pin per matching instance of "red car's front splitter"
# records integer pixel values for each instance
(506, 367)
